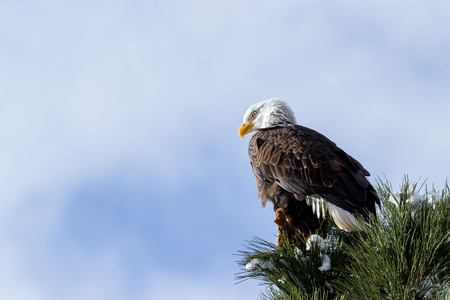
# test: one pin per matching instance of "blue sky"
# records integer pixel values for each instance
(123, 176)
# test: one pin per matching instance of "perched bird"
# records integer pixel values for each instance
(303, 173)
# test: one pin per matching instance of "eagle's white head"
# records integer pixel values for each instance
(266, 114)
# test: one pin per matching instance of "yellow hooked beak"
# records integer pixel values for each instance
(245, 128)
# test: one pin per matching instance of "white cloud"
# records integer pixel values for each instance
(208, 286)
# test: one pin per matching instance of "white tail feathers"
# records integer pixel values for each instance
(343, 219)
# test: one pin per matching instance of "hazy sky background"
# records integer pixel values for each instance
(122, 173)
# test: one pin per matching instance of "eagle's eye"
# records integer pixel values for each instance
(254, 114)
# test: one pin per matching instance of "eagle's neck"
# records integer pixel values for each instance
(278, 119)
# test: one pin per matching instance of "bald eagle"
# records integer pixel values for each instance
(303, 173)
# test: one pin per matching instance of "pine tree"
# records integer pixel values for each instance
(402, 254)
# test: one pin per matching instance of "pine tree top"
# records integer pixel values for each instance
(403, 254)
